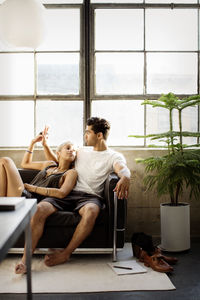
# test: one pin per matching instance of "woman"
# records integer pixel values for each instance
(54, 180)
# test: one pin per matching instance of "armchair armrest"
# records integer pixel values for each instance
(117, 212)
(110, 184)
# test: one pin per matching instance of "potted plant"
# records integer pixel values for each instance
(174, 172)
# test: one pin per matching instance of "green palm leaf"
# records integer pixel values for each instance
(180, 167)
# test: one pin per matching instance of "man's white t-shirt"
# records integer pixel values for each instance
(93, 168)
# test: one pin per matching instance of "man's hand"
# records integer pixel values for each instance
(122, 187)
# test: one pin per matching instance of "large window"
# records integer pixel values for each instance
(136, 50)
(44, 87)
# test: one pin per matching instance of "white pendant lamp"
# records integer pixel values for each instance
(22, 22)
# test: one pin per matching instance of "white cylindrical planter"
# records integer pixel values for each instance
(175, 227)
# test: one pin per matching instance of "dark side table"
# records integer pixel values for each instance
(12, 224)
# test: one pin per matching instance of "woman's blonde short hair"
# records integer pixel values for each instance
(59, 148)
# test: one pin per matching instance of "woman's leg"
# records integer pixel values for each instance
(11, 184)
(44, 209)
(3, 181)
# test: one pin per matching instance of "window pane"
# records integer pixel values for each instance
(158, 121)
(65, 119)
(62, 1)
(58, 73)
(116, 1)
(126, 117)
(189, 123)
(16, 74)
(62, 30)
(172, 72)
(169, 1)
(119, 73)
(17, 122)
(119, 29)
(167, 29)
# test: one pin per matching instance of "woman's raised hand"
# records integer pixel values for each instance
(44, 134)
(38, 138)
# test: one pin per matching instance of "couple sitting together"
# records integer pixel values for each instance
(70, 181)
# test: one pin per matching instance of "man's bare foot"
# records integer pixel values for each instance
(56, 258)
(20, 268)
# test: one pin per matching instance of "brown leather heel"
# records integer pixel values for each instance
(169, 259)
(155, 262)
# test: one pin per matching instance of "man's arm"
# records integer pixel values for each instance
(122, 187)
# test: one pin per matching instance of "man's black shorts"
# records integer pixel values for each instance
(75, 200)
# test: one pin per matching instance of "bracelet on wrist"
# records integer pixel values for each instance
(29, 151)
(47, 192)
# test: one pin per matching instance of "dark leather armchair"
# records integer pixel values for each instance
(108, 232)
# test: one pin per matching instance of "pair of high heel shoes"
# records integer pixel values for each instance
(150, 255)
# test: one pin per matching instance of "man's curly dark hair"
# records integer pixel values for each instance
(99, 125)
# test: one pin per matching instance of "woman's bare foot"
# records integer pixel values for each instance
(20, 268)
(56, 258)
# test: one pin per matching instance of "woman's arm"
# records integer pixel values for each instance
(27, 162)
(49, 154)
(63, 191)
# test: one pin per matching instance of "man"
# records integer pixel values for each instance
(93, 165)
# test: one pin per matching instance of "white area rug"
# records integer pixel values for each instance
(83, 273)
